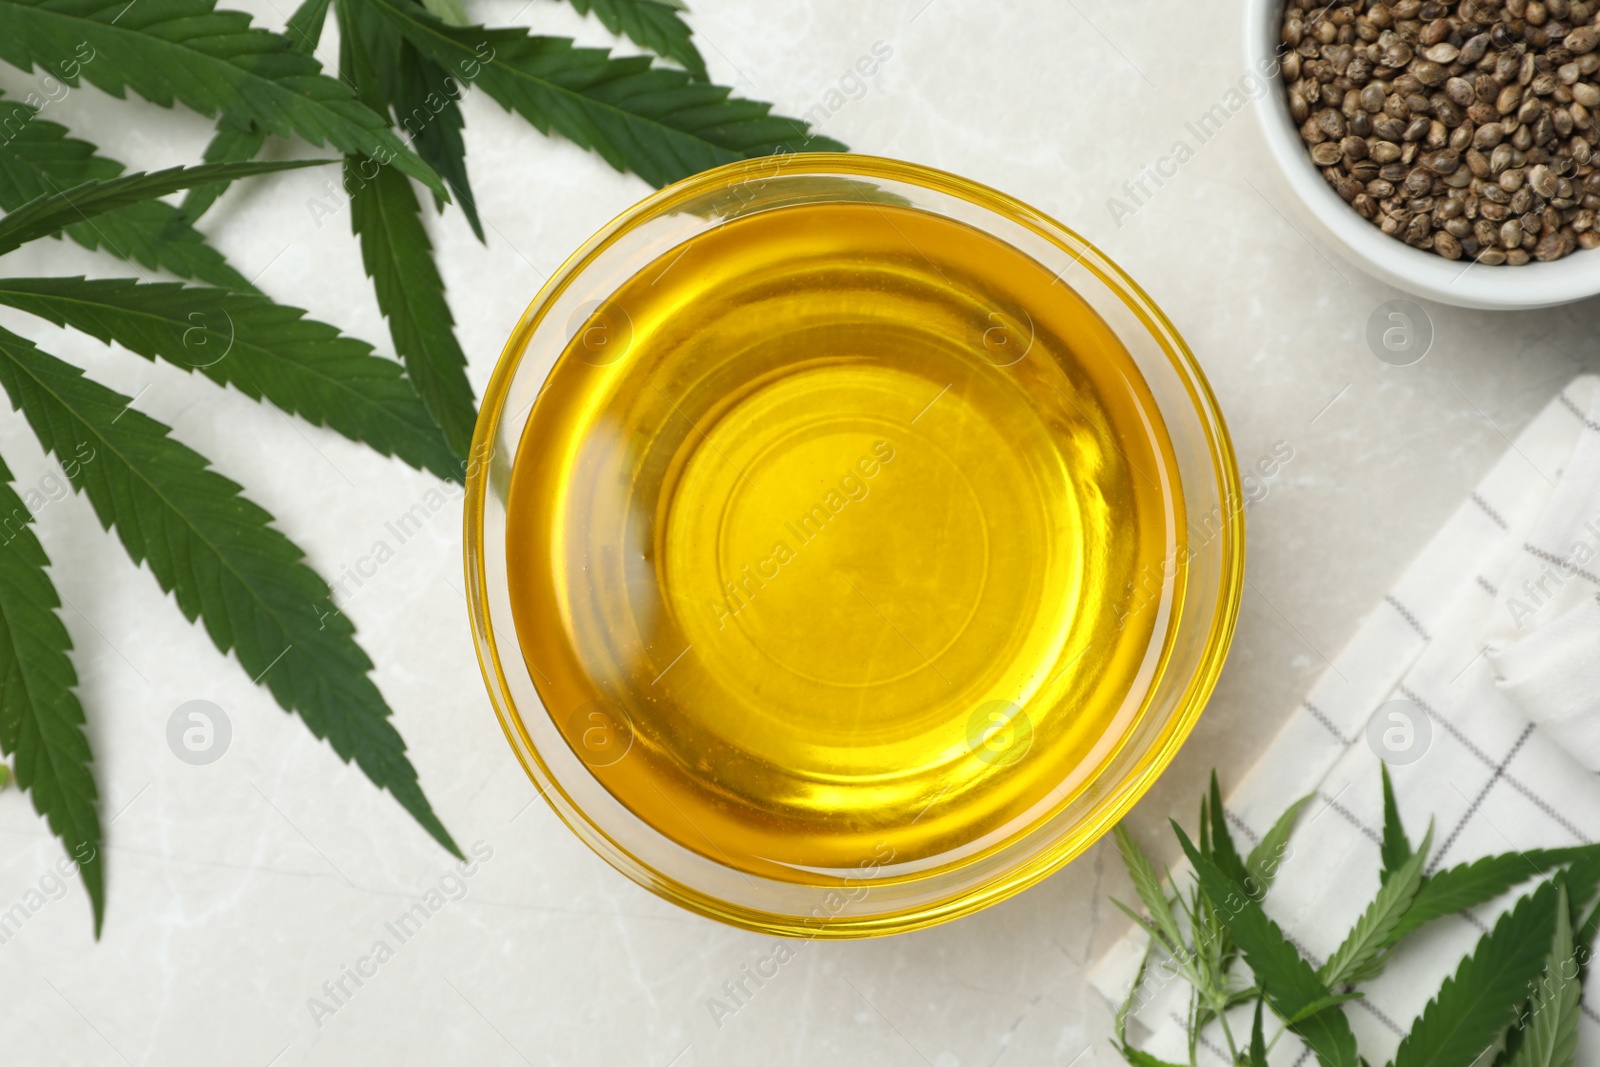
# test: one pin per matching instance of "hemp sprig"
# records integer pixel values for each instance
(1517, 993)
(393, 114)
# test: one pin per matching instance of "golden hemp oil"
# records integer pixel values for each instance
(831, 540)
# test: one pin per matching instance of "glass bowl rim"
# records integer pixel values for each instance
(1106, 813)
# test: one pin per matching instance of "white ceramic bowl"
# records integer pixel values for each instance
(1461, 282)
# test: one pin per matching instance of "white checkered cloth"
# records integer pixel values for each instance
(1507, 724)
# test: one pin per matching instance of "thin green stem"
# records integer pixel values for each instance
(1227, 1032)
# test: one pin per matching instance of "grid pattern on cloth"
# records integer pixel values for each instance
(1489, 778)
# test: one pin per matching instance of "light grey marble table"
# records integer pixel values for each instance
(238, 889)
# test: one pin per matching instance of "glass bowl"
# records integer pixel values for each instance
(1188, 601)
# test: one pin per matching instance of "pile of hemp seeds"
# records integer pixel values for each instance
(1462, 128)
